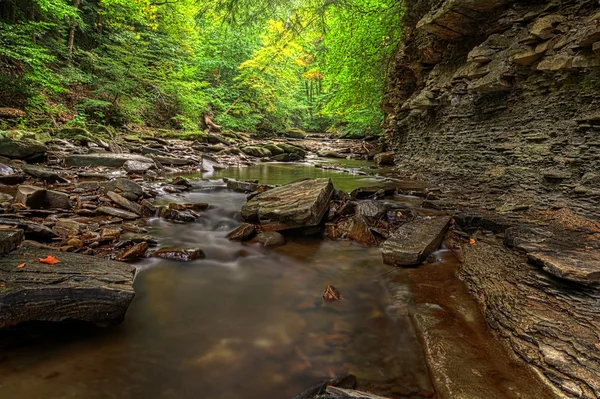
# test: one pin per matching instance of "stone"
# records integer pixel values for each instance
(10, 239)
(384, 158)
(355, 228)
(111, 235)
(544, 27)
(371, 209)
(108, 159)
(31, 196)
(298, 204)
(413, 242)
(12, 180)
(67, 227)
(350, 393)
(33, 231)
(134, 252)
(26, 149)
(6, 170)
(46, 174)
(331, 293)
(56, 200)
(286, 157)
(259, 152)
(179, 254)
(274, 148)
(167, 160)
(12, 113)
(369, 192)
(558, 62)
(181, 181)
(120, 213)
(556, 174)
(527, 56)
(81, 288)
(137, 167)
(246, 186)
(295, 133)
(242, 233)
(178, 216)
(578, 266)
(292, 149)
(75, 243)
(125, 187)
(270, 239)
(125, 203)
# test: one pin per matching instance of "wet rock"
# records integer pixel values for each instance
(137, 166)
(46, 174)
(355, 228)
(137, 238)
(111, 235)
(67, 227)
(286, 158)
(120, 213)
(270, 239)
(370, 209)
(412, 243)
(384, 158)
(298, 204)
(82, 288)
(125, 203)
(125, 187)
(56, 200)
(134, 252)
(258, 152)
(177, 216)
(180, 254)
(10, 239)
(31, 196)
(375, 191)
(244, 232)
(578, 266)
(33, 231)
(108, 159)
(26, 149)
(246, 186)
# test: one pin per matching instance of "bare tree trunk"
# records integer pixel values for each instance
(71, 39)
(212, 127)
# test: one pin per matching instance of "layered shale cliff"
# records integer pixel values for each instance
(500, 99)
(497, 103)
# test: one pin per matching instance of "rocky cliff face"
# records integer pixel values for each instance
(500, 99)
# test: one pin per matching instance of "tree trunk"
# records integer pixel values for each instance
(212, 127)
(71, 39)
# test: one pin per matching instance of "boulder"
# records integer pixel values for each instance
(384, 158)
(33, 231)
(79, 287)
(298, 204)
(275, 149)
(413, 242)
(27, 149)
(295, 133)
(242, 233)
(270, 239)
(107, 159)
(180, 254)
(292, 149)
(127, 188)
(259, 152)
(10, 239)
(67, 227)
(12, 180)
(46, 174)
(137, 166)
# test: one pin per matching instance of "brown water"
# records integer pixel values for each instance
(243, 323)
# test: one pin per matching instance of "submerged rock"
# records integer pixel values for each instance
(244, 232)
(82, 288)
(413, 242)
(299, 204)
(180, 254)
(270, 239)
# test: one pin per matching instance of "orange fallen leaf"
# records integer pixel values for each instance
(49, 260)
(21, 265)
(472, 241)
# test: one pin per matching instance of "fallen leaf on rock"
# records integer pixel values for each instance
(472, 241)
(21, 265)
(331, 294)
(49, 260)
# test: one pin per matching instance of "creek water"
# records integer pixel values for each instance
(246, 322)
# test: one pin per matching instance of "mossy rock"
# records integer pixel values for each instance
(102, 131)
(275, 149)
(295, 133)
(71, 132)
(132, 138)
(258, 152)
(292, 149)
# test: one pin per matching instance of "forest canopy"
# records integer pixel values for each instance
(253, 65)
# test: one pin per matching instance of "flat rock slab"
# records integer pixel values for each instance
(298, 204)
(413, 242)
(109, 159)
(80, 287)
(10, 239)
(581, 267)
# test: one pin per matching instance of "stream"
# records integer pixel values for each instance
(246, 322)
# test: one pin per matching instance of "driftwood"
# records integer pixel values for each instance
(212, 127)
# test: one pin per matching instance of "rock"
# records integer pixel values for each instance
(286, 158)
(6, 170)
(124, 203)
(12, 113)
(108, 159)
(67, 227)
(299, 204)
(544, 27)
(26, 149)
(108, 234)
(133, 253)
(292, 149)
(578, 266)
(82, 288)
(336, 392)
(46, 174)
(258, 152)
(370, 209)
(368, 192)
(355, 228)
(6, 198)
(56, 200)
(12, 180)
(180, 254)
(295, 133)
(270, 239)
(527, 56)
(331, 293)
(246, 186)
(137, 167)
(556, 174)
(126, 188)
(244, 232)
(75, 243)
(275, 149)
(384, 158)
(330, 154)
(33, 231)
(413, 242)
(164, 160)
(109, 210)
(178, 216)
(10, 239)
(31, 196)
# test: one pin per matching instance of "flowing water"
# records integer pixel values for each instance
(246, 322)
